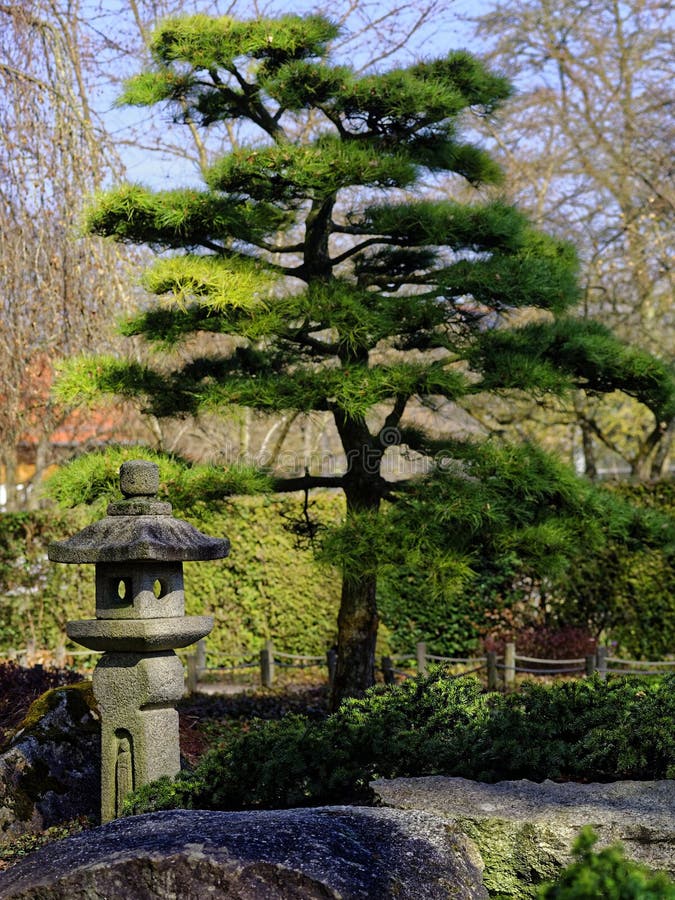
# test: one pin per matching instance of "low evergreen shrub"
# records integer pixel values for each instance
(435, 725)
(606, 875)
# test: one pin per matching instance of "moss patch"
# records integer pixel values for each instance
(80, 703)
(518, 858)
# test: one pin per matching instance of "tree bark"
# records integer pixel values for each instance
(357, 634)
(590, 465)
(357, 618)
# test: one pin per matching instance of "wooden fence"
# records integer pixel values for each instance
(498, 671)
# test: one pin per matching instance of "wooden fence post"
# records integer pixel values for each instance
(60, 656)
(388, 670)
(491, 662)
(602, 662)
(331, 661)
(421, 654)
(191, 674)
(267, 664)
(509, 665)
(590, 665)
(200, 657)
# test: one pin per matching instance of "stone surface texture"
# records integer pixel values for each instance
(303, 854)
(50, 772)
(139, 635)
(139, 478)
(120, 538)
(524, 830)
(136, 693)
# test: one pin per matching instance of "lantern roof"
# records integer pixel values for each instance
(139, 527)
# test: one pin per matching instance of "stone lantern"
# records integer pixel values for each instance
(138, 550)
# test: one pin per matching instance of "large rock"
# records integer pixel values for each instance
(345, 852)
(524, 831)
(50, 772)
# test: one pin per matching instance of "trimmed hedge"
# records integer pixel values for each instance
(272, 586)
(267, 587)
(628, 594)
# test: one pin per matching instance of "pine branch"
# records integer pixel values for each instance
(275, 248)
(393, 419)
(257, 111)
(334, 119)
(306, 482)
(350, 229)
(353, 251)
(303, 339)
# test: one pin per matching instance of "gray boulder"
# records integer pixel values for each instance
(50, 773)
(339, 852)
(524, 831)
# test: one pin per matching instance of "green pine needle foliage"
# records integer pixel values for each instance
(166, 219)
(93, 479)
(353, 391)
(574, 351)
(485, 503)
(288, 172)
(378, 132)
(479, 86)
(207, 43)
(606, 875)
(85, 381)
(218, 283)
(485, 227)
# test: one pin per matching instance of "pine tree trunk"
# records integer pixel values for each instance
(590, 465)
(357, 634)
(357, 618)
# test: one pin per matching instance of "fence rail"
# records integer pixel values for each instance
(500, 671)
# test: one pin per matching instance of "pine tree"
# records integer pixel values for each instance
(353, 289)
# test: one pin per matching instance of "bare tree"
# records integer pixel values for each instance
(588, 146)
(57, 294)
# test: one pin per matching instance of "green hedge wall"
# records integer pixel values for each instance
(267, 587)
(272, 586)
(628, 595)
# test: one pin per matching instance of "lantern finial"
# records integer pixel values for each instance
(139, 478)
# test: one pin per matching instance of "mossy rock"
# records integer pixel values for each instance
(524, 831)
(80, 707)
(518, 858)
(50, 773)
